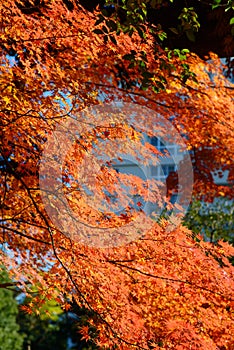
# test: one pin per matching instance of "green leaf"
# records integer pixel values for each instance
(145, 82)
(174, 30)
(141, 33)
(128, 57)
(97, 31)
(104, 12)
(112, 25)
(155, 89)
(100, 20)
(162, 36)
(10, 337)
(112, 38)
(185, 66)
(132, 65)
(153, 3)
(185, 51)
(190, 35)
(105, 39)
(214, 6)
(144, 10)
(232, 21)
(141, 64)
(147, 75)
(104, 28)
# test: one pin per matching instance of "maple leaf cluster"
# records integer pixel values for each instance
(160, 288)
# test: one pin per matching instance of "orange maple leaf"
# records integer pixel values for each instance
(84, 331)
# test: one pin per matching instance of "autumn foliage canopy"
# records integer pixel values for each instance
(61, 74)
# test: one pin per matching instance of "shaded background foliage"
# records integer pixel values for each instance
(10, 336)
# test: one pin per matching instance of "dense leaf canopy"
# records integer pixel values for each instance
(74, 96)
